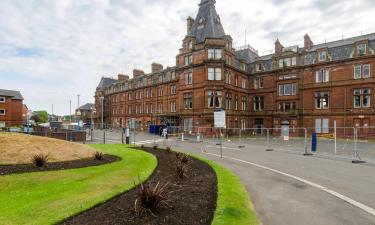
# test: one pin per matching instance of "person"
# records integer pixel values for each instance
(165, 132)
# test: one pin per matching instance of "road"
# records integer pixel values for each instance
(289, 188)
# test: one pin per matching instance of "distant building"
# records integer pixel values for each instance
(11, 108)
(87, 112)
(309, 86)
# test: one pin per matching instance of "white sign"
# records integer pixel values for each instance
(220, 121)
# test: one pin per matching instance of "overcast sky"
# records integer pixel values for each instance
(52, 50)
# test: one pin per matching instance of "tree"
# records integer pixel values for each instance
(42, 116)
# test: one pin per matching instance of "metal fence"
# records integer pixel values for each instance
(355, 143)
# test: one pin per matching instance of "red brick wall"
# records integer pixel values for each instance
(13, 112)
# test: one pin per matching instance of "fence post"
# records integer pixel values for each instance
(335, 136)
(122, 136)
(268, 136)
(103, 136)
(357, 158)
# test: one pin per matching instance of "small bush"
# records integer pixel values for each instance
(151, 197)
(169, 149)
(183, 158)
(40, 160)
(142, 146)
(181, 169)
(155, 147)
(99, 156)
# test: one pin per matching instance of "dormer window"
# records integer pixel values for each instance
(258, 67)
(361, 49)
(201, 23)
(190, 45)
(188, 60)
(322, 56)
(2, 99)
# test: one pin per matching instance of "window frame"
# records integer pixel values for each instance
(4, 112)
(2, 99)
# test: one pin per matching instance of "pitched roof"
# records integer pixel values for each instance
(16, 95)
(343, 42)
(207, 23)
(87, 106)
(105, 82)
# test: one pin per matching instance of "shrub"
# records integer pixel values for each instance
(40, 160)
(142, 146)
(181, 169)
(99, 156)
(169, 149)
(183, 158)
(155, 147)
(151, 197)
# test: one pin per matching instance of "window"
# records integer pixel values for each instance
(362, 71)
(2, 124)
(258, 82)
(322, 76)
(322, 126)
(236, 103)
(188, 60)
(228, 60)
(173, 89)
(148, 93)
(228, 78)
(188, 78)
(322, 100)
(151, 93)
(160, 92)
(287, 89)
(287, 106)
(160, 108)
(190, 45)
(188, 100)
(287, 62)
(357, 72)
(322, 56)
(244, 105)
(2, 99)
(214, 53)
(362, 98)
(243, 83)
(2, 112)
(214, 73)
(366, 71)
(151, 108)
(173, 106)
(214, 99)
(228, 100)
(130, 96)
(258, 67)
(130, 109)
(258, 104)
(236, 81)
(361, 49)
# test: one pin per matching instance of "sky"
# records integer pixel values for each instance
(53, 50)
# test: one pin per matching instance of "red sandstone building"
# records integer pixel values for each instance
(309, 86)
(11, 108)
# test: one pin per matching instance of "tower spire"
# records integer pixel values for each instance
(207, 23)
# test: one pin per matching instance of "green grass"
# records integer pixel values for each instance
(233, 203)
(48, 197)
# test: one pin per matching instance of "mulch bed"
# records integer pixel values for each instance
(52, 166)
(193, 201)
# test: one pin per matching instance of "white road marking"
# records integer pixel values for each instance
(218, 146)
(149, 141)
(322, 188)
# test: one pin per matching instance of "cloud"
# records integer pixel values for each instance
(54, 50)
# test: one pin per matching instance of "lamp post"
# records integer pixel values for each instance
(102, 100)
(78, 115)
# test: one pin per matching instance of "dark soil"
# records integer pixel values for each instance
(192, 202)
(52, 166)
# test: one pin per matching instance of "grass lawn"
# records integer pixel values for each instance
(233, 204)
(48, 197)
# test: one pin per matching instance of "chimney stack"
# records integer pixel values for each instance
(308, 42)
(190, 22)
(122, 77)
(156, 67)
(138, 73)
(278, 47)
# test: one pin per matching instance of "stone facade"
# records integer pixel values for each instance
(311, 86)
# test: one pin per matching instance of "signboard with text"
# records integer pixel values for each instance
(219, 117)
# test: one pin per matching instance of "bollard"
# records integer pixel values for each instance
(314, 142)
(104, 137)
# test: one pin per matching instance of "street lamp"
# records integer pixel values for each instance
(102, 101)
(78, 115)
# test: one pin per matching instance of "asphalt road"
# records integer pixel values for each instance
(287, 187)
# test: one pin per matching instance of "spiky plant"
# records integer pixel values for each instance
(151, 197)
(40, 160)
(99, 156)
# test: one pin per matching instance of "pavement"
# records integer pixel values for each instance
(287, 187)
